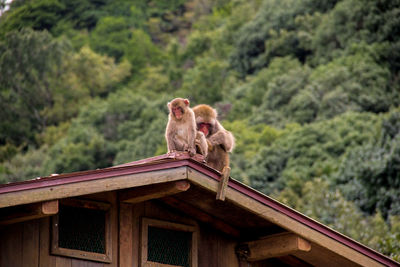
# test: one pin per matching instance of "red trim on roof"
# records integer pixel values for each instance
(166, 161)
(87, 176)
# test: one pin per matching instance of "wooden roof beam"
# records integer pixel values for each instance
(28, 212)
(273, 246)
(144, 193)
(202, 216)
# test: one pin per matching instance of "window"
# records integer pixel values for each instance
(81, 229)
(168, 244)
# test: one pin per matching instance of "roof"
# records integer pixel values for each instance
(245, 209)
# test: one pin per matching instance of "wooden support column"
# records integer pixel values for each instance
(273, 246)
(28, 212)
(125, 235)
(154, 191)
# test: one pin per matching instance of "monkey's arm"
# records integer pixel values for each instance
(192, 139)
(170, 137)
(201, 143)
(223, 138)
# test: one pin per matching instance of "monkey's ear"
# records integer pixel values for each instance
(169, 104)
(186, 101)
(216, 112)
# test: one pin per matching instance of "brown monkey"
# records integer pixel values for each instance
(181, 133)
(220, 141)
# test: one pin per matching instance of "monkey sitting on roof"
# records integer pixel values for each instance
(220, 141)
(181, 133)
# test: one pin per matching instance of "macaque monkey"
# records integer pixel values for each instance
(220, 141)
(181, 133)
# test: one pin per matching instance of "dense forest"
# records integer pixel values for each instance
(310, 89)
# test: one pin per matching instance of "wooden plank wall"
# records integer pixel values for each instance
(27, 244)
(214, 249)
(19, 244)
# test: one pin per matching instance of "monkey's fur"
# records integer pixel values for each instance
(220, 141)
(201, 144)
(181, 133)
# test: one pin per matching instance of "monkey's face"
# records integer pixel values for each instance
(206, 118)
(177, 111)
(178, 107)
(204, 127)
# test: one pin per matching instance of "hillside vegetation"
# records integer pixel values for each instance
(309, 88)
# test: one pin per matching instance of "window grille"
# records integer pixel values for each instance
(168, 244)
(82, 230)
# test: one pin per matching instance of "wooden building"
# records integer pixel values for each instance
(169, 210)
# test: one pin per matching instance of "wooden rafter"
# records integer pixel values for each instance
(275, 246)
(202, 216)
(144, 193)
(28, 212)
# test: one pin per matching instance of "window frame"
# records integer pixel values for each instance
(81, 254)
(146, 222)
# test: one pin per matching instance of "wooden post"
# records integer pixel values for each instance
(274, 246)
(223, 183)
(28, 212)
(125, 234)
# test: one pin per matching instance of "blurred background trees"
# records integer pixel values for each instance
(310, 90)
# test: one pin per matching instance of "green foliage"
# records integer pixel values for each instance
(44, 83)
(352, 21)
(205, 82)
(353, 82)
(248, 140)
(51, 14)
(96, 74)
(23, 166)
(110, 37)
(329, 206)
(272, 34)
(30, 64)
(114, 37)
(302, 153)
(249, 48)
(370, 174)
(39, 15)
(309, 89)
(82, 149)
(141, 52)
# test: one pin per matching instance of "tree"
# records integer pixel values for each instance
(208, 78)
(272, 33)
(369, 175)
(301, 153)
(38, 15)
(30, 64)
(110, 37)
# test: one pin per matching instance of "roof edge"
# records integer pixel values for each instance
(313, 224)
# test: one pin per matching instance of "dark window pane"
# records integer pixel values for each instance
(82, 229)
(169, 246)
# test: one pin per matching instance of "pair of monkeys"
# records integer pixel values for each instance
(197, 130)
